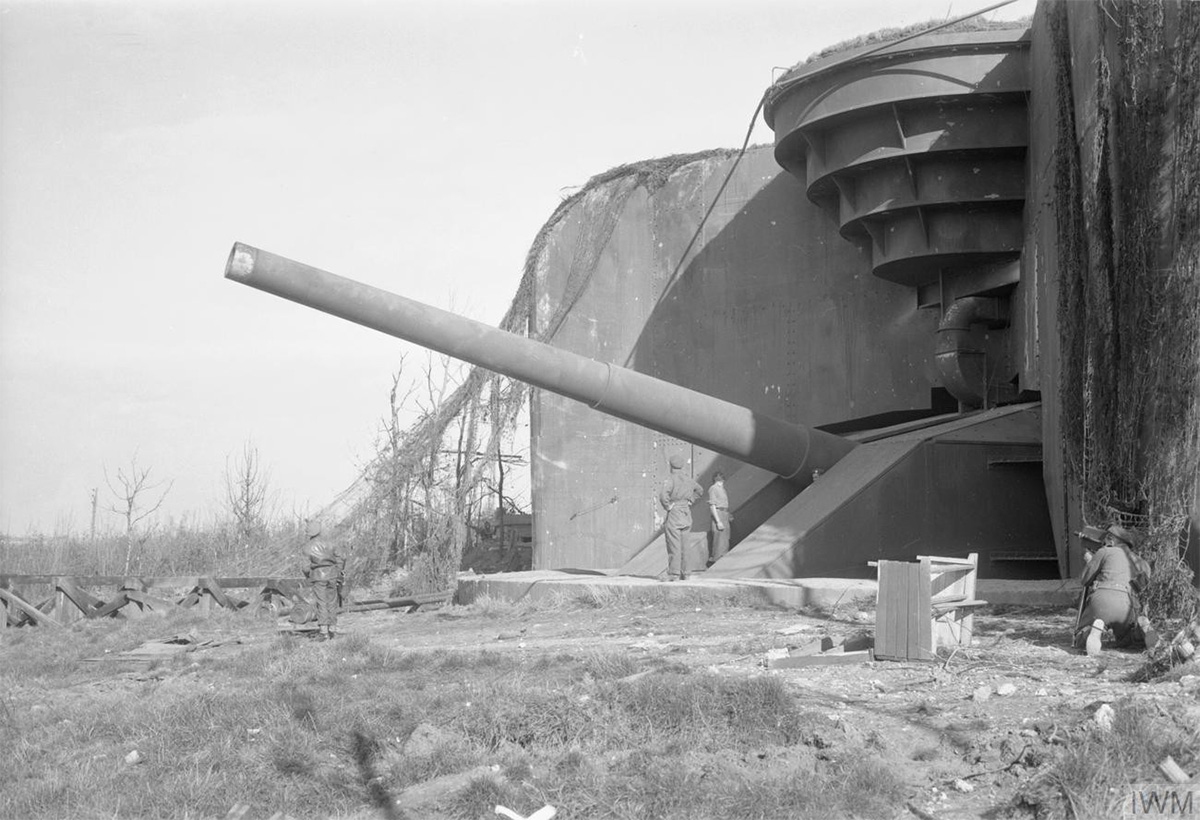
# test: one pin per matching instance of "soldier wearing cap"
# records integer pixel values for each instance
(324, 572)
(677, 495)
(1109, 586)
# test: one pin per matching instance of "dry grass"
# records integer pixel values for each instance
(1093, 775)
(318, 729)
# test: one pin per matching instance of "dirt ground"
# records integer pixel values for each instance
(969, 731)
(973, 727)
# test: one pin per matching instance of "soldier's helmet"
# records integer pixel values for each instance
(320, 552)
(677, 461)
(312, 528)
(1121, 534)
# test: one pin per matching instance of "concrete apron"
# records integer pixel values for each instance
(785, 593)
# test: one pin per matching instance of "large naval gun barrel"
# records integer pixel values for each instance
(789, 450)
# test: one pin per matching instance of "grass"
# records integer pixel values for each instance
(318, 729)
(1091, 778)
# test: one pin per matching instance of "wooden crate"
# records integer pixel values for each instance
(923, 605)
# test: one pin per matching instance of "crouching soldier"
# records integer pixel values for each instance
(324, 572)
(1111, 579)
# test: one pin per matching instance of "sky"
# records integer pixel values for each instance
(416, 146)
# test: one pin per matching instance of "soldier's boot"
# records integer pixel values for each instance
(1094, 635)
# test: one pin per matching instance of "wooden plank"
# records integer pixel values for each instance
(832, 659)
(914, 613)
(969, 591)
(903, 644)
(951, 606)
(409, 604)
(112, 606)
(148, 601)
(881, 592)
(64, 608)
(218, 594)
(888, 591)
(940, 559)
(925, 624)
(33, 612)
(895, 636)
(84, 601)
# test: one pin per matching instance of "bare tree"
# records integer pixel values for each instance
(133, 492)
(246, 492)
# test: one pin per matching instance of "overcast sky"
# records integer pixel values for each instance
(418, 146)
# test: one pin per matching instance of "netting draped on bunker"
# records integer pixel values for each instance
(484, 407)
(1129, 309)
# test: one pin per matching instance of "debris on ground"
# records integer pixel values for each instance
(161, 649)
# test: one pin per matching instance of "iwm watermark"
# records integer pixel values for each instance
(1162, 800)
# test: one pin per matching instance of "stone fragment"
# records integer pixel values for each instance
(1104, 716)
(981, 693)
(1005, 689)
(963, 786)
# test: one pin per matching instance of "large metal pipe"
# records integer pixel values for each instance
(790, 450)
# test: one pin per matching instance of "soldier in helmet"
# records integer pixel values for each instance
(1110, 581)
(677, 495)
(324, 573)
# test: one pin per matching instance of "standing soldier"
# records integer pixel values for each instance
(718, 507)
(324, 572)
(677, 495)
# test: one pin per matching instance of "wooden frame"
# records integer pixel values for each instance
(923, 605)
(69, 601)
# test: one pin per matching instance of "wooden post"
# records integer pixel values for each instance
(60, 606)
(93, 530)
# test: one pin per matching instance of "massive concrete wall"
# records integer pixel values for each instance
(1037, 318)
(1067, 69)
(772, 309)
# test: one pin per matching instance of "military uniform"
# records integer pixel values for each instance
(1108, 581)
(324, 573)
(678, 494)
(718, 529)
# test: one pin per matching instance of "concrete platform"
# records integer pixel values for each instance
(791, 593)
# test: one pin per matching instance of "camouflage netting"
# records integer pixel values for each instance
(1129, 310)
(417, 502)
(888, 35)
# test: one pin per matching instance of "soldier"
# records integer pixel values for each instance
(718, 508)
(1109, 582)
(324, 573)
(677, 495)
